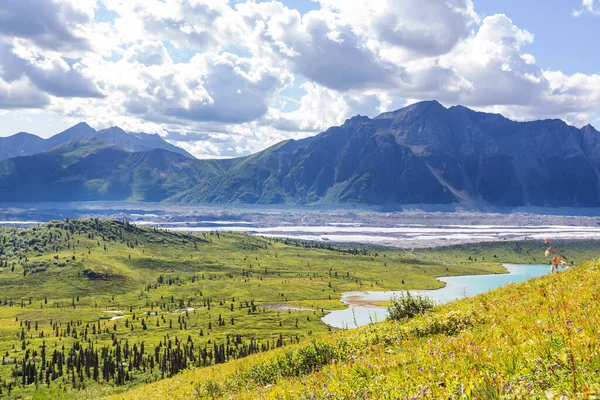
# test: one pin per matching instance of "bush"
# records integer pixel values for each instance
(450, 323)
(301, 361)
(407, 306)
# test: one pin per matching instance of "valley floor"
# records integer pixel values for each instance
(93, 308)
(532, 340)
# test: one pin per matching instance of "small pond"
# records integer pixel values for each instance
(361, 313)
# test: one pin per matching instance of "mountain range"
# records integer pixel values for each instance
(421, 154)
(27, 144)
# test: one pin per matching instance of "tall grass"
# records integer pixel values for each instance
(532, 340)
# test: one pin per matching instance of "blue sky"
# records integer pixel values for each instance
(227, 78)
(562, 41)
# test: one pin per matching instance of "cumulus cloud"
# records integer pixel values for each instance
(360, 44)
(50, 24)
(222, 87)
(588, 6)
(415, 26)
(21, 93)
(199, 24)
(321, 108)
(213, 75)
(499, 76)
(50, 73)
(148, 53)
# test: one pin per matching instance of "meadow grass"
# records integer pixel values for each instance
(63, 283)
(531, 340)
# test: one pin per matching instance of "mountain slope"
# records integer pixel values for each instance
(536, 339)
(426, 154)
(20, 144)
(421, 154)
(90, 170)
(26, 144)
(348, 164)
(135, 142)
(79, 131)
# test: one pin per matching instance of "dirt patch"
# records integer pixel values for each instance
(357, 301)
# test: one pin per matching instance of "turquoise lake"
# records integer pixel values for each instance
(457, 287)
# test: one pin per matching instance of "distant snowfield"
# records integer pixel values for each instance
(410, 235)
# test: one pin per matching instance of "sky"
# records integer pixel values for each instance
(226, 78)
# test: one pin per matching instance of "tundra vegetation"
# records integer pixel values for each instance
(93, 308)
(531, 340)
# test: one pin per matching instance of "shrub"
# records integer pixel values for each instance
(296, 362)
(450, 323)
(407, 306)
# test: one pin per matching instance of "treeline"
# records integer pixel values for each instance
(121, 363)
(363, 251)
(60, 235)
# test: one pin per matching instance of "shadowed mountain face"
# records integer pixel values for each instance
(102, 173)
(112, 164)
(26, 144)
(137, 141)
(422, 154)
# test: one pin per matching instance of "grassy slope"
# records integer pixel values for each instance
(517, 252)
(61, 264)
(537, 339)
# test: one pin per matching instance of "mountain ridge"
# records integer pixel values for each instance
(422, 154)
(456, 154)
(27, 144)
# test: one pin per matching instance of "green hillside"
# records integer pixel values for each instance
(90, 308)
(90, 169)
(534, 340)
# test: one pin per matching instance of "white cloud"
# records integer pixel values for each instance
(588, 6)
(50, 24)
(361, 44)
(503, 78)
(209, 74)
(21, 93)
(45, 71)
(322, 108)
(211, 87)
(148, 53)
(415, 26)
(204, 25)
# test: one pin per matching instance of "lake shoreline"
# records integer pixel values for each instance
(364, 306)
